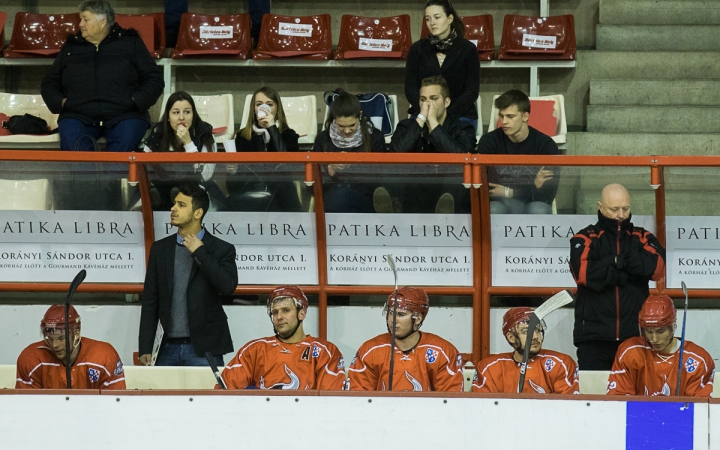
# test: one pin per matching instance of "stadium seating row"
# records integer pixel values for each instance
(548, 116)
(306, 37)
(140, 377)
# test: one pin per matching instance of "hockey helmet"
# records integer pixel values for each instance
(54, 319)
(411, 299)
(515, 316)
(657, 311)
(293, 292)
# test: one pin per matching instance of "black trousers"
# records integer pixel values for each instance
(596, 355)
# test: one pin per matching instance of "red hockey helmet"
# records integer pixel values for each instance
(411, 299)
(657, 311)
(54, 319)
(515, 316)
(293, 292)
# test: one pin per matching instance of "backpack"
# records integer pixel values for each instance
(26, 124)
(376, 106)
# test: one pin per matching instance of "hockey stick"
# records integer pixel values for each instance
(71, 291)
(215, 370)
(558, 300)
(682, 340)
(394, 324)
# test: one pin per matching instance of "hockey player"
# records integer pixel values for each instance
(648, 364)
(423, 361)
(94, 364)
(548, 372)
(290, 359)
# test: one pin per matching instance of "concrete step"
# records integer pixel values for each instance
(659, 12)
(654, 92)
(653, 119)
(642, 144)
(650, 65)
(658, 37)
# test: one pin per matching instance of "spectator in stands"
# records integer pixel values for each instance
(102, 83)
(93, 364)
(548, 372)
(423, 361)
(267, 130)
(612, 263)
(519, 189)
(186, 274)
(648, 364)
(181, 130)
(445, 52)
(433, 130)
(347, 129)
(291, 359)
(174, 10)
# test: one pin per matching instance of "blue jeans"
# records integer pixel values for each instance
(172, 354)
(123, 137)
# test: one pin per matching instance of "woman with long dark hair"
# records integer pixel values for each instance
(445, 52)
(347, 129)
(266, 130)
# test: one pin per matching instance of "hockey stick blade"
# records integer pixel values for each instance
(558, 300)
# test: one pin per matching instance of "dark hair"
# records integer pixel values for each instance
(99, 8)
(436, 80)
(348, 105)
(200, 198)
(168, 137)
(449, 10)
(280, 119)
(513, 97)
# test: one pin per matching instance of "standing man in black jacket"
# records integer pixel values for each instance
(186, 275)
(612, 263)
(433, 130)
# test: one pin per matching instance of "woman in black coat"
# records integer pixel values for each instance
(102, 83)
(445, 52)
(250, 188)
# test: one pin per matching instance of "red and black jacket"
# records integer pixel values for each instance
(612, 263)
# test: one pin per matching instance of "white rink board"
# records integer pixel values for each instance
(353, 422)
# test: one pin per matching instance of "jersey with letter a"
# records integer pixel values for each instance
(433, 365)
(269, 363)
(549, 372)
(638, 370)
(97, 366)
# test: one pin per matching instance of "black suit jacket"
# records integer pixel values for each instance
(213, 273)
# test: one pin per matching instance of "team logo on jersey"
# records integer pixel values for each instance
(293, 385)
(94, 375)
(539, 389)
(352, 362)
(431, 356)
(316, 351)
(459, 361)
(691, 365)
(118, 368)
(475, 376)
(415, 383)
(612, 385)
(341, 364)
(549, 364)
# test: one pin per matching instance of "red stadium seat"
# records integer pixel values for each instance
(541, 118)
(3, 17)
(40, 35)
(214, 36)
(151, 28)
(479, 31)
(305, 37)
(538, 38)
(374, 37)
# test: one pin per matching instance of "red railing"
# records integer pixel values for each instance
(473, 176)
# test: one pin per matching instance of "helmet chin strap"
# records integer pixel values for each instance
(293, 331)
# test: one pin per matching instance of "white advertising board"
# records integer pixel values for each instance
(53, 246)
(272, 248)
(693, 251)
(429, 249)
(534, 249)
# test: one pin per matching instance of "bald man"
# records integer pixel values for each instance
(612, 263)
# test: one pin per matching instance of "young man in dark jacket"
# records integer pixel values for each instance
(433, 130)
(612, 263)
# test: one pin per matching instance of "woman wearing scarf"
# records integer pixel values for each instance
(267, 130)
(445, 52)
(347, 130)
